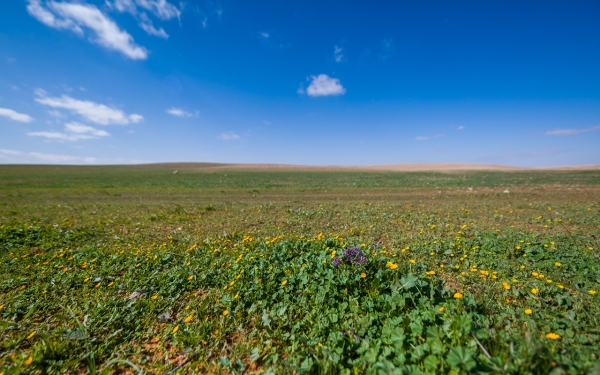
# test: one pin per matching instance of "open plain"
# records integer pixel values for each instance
(209, 268)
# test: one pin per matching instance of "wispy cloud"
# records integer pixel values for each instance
(14, 115)
(55, 113)
(79, 16)
(159, 8)
(229, 136)
(97, 113)
(337, 54)
(572, 131)
(460, 128)
(387, 47)
(10, 152)
(74, 131)
(179, 112)
(422, 138)
(210, 9)
(273, 39)
(62, 159)
(323, 85)
(147, 25)
(14, 156)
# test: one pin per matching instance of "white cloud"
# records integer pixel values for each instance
(572, 131)
(264, 35)
(229, 136)
(147, 25)
(76, 17)
(123, 6)
(179, 112)
(74, 131)
(60, 159)
(78, 128)
(337, 54)
(97, 113)
(422, 138)
(20, 157)
(135, 118)
(159, 8)
(461, 128)
(14, 115)
(323, 85)
(10, 152)
(55, 113)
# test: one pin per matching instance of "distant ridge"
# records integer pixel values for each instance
(438, 167)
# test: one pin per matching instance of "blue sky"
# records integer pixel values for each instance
(300, 82)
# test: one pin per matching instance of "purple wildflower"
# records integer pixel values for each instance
(337, 261)
(354, 255)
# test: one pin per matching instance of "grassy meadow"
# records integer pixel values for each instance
(136, 269)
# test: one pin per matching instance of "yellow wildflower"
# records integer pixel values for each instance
(592, 292)
(528, 311)
(284, 282)
(430, 273)
(28, 361)
(189, 318)
(552, 336)
(557, 264)
(363, 275)
(175, 329)
(442, 309)
(154, 296)
(412, 261)
(31, 335)
(458, 295)
(391, 265)
(190, 278)
(225, 313)
(534, 291)
(333, 254)
(505, 285)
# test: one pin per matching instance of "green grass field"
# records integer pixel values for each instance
(140, 270)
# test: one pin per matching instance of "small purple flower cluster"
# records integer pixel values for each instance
(353, 255)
